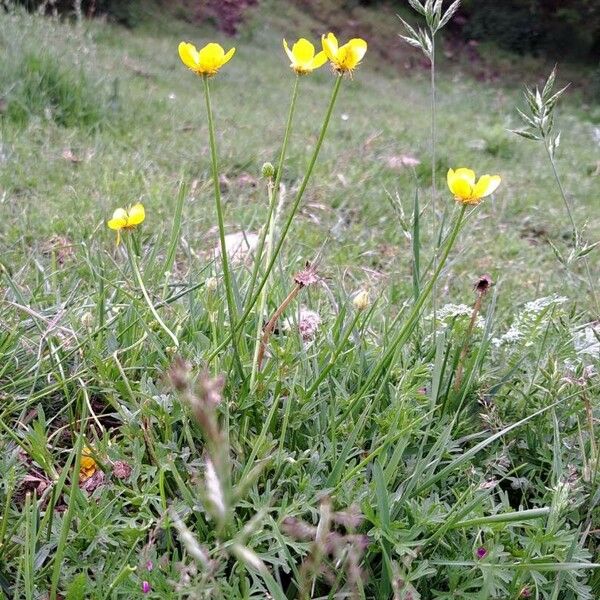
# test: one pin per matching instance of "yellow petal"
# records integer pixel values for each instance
(486, 185)
(461, 188)
(467, 174)
(450, 178)
(319, 60)
(303, 51)
(211, 57)
(228, 56)
(136, 214)
(288, 52)
(188, 55)
(358, 48)
(119, 219)
(330, 46)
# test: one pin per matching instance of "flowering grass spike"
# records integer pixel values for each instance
(466, 190)
(303, 58)
(346, 58)
(206, 61)
(127, 219)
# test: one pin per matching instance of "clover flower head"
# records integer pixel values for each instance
(207, 61)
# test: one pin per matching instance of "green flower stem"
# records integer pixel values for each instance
(263, 295)
(136, 271)
(231, 307)
(411, 319)
(275, 188)
(269, 234)
(290, 218)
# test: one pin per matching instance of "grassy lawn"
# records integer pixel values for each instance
(354, 464)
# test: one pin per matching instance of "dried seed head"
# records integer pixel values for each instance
(308, 276)
(298, 529)
(211, 284)
(483, 284)
(361, 300)
(179, 374)
(87, 320)
(121, 469)
(210, 388)
(351, 518)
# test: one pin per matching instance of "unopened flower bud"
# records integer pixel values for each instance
(361, 300)
(268, 170)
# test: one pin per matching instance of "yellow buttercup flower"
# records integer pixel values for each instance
(126, 219)
(87, 465)
(346, 58)
(303, 58)
(206, 61)
(462, 184)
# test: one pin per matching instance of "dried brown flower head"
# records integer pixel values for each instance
(483, 284)
(308, 276)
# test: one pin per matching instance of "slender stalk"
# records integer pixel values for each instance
(268, 330)
(269, 233)
(288, 223)
(231, 307)
(136, 271)
(465, 348)
(433, 182)
(276, 184)
(563, 194)
(263, 295)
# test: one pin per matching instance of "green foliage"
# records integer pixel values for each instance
(40, 85)
(354, 465)
(557, 28)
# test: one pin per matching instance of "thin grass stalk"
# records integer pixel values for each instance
(563, 194)
(231, 306)
(288, 223)
(433, 174)
(136, 271)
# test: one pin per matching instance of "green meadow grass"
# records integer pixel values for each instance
(488, 490)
